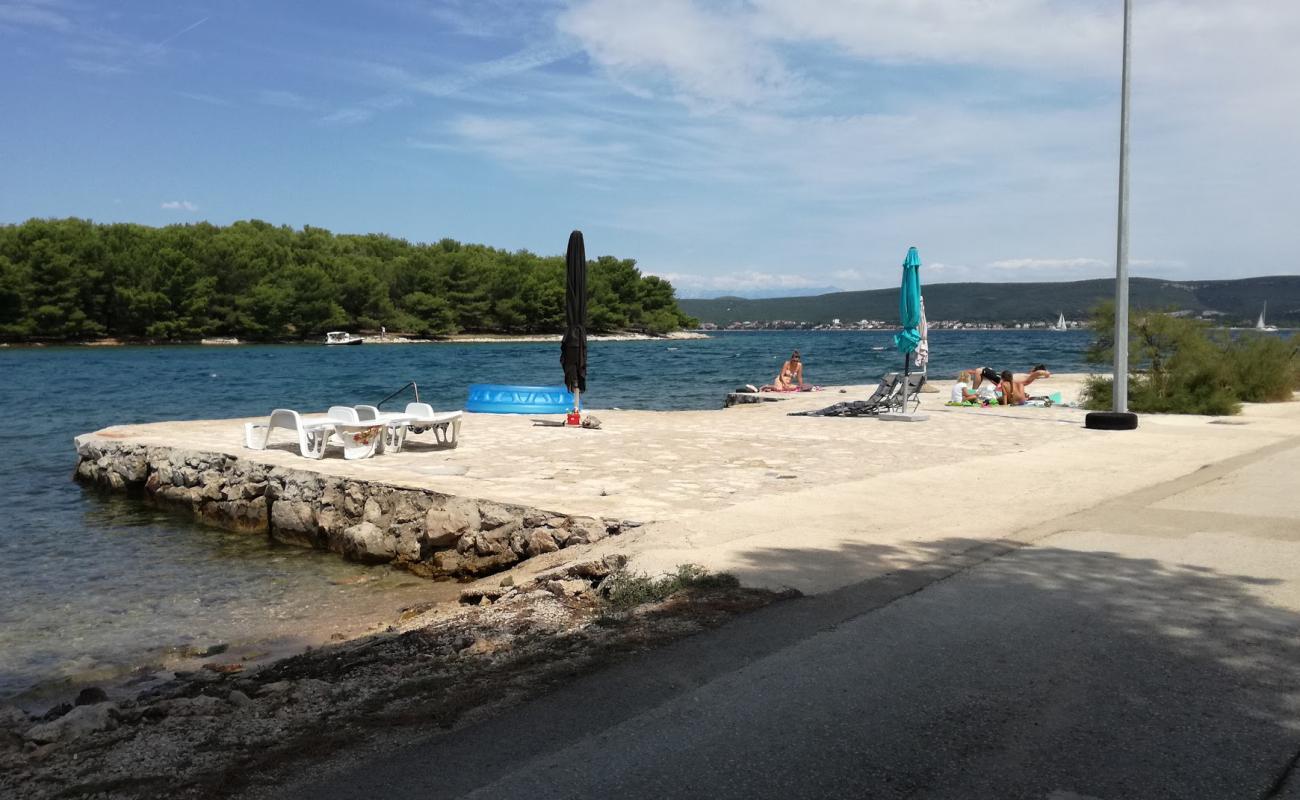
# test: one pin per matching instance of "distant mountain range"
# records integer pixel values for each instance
(1232, 302)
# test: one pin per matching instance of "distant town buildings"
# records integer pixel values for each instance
(877, 324)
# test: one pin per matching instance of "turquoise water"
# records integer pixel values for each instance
(92, 585)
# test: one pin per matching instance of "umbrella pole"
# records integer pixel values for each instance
(907, 370)
(577, 400)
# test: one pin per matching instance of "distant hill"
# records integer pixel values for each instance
(1239, 302)
(760, 294)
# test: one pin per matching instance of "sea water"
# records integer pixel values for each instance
(95, 585)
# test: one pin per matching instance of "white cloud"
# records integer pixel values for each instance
(564, 145)
(279, 98)
(179, 205)
(1017, 264)
(741, 283)
(704, 55)
(348, 116)
(459, 81)
(200, 97)
(34, 15)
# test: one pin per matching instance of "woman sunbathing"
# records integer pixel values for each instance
(1013, 390)
(790, 378)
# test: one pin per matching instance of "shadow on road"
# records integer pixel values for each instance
(988, 671)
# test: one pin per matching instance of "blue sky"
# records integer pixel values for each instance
(748, 146)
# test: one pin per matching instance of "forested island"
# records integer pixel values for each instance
(72, 279)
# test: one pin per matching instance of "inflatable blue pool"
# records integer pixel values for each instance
(495, 398)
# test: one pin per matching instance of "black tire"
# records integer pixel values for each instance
(1111, 421)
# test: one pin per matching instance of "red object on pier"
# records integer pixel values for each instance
(574, 418)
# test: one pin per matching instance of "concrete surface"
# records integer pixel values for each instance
(1144, 647)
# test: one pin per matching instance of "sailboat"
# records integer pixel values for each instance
(1260, 325)
(1060, 323)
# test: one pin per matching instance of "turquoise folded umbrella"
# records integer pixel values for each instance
(909, 304)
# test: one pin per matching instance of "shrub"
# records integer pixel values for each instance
(1180, 368)
(624, 590)
(1266, 368)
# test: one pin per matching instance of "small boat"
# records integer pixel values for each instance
(1060, 324)
(1260, 325)
(342, 337)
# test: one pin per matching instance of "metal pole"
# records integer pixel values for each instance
(1119, 396)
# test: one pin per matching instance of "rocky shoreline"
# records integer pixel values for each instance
(219, 731)
(428, 533)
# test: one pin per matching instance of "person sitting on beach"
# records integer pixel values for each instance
(790, 378)
(1013, 391)
(962, 391)
(988, 389)
(1039, 371)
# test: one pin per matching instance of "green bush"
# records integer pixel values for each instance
(1266, 368)
(1179, 366)
(624, 590)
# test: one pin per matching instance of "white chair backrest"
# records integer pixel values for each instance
(367, 412)
(419, 409)
(343, 414)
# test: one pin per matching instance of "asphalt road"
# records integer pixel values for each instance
(1148, 648)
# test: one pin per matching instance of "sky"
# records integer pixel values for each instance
(753, 147)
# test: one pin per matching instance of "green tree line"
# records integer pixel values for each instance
(74, 279)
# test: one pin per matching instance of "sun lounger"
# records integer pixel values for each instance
(360, 439)
(341, 426)
(312, 435)
(890, 396)
(417, 418)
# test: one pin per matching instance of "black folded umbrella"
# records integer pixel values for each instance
(573, 348)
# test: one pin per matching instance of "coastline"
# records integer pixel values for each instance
(507, 338)
(548, 618)
(224, 730)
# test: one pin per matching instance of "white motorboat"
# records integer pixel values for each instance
(342, 337)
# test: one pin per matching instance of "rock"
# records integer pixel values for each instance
(56, 712)
(277, 687)
(204, 650)
(486, 565)
(77, 722)
(475, 595)
(239, 700)
(13, 718)
(508, 581)
(595, 570)
(368, 542)
(132, 467)
(91, 695)
(413, 611)
(541, 541)
(482, 647)
(200, 706)
(568, 588)
(406, 543)
(448, 562)
(374, 513)
(224, 669)
(409, 507)
(444, 525)
(494, 516)
(292, 522)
